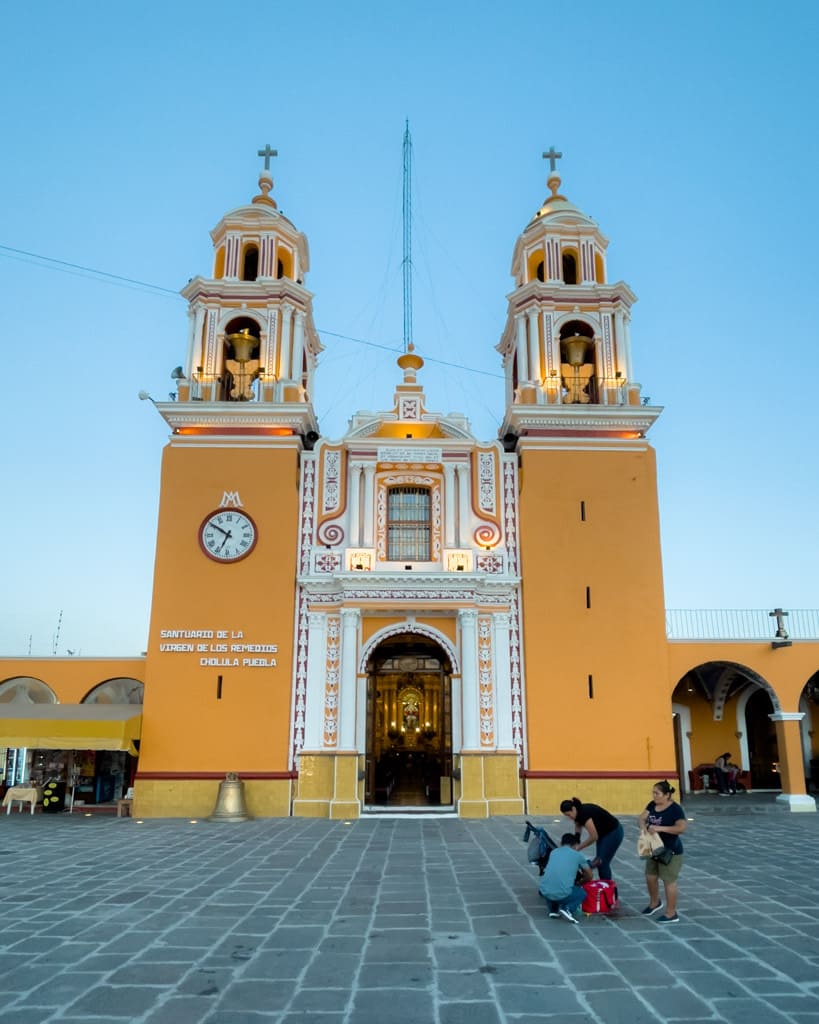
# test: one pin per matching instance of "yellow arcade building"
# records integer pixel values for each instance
(408, 616)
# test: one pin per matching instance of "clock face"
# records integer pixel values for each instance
(227, 535)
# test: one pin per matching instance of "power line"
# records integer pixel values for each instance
(107, 277)
(89, 270)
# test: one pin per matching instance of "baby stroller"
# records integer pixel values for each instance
(540, 845)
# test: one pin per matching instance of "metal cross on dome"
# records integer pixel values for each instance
(267, 152)
(552, 156)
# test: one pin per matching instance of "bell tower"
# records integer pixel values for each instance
(220, 655)
(251, 336)
(593, 605)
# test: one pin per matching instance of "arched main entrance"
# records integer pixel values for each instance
(409, 725)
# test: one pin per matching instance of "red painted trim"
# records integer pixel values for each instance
(235, 431)
(197, 776)
(529, 773)
(628, 435)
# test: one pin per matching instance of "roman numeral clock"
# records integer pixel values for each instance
(227, 535)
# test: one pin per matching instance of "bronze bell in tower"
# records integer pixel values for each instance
(575, 349)
(243, 343)
(230, 801)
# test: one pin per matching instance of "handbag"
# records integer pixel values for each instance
(650, 844)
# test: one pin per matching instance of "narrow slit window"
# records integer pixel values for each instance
(588, 597)
(591, 688)
(582, 511)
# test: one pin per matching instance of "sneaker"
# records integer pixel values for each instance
(723, 794)
(553, 913)
(648, 911)
(568, 915)
(664, 919)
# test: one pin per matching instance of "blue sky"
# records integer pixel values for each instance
(688, 133)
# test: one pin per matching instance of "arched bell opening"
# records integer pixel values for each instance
(241, 360)
(250, 262)
(569, 261)
(284, 263)
(577, 363)
(409, 724)
(219, 263)
(599, 269)
(535, 266)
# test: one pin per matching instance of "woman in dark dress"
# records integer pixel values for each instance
(602, 828)
(667, 819)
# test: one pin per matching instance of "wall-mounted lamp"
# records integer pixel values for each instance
(143, 396)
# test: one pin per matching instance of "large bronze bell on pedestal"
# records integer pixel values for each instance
(230, 802)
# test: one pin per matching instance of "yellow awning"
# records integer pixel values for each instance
(71, 726)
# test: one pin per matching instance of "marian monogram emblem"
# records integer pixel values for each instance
(231, 499)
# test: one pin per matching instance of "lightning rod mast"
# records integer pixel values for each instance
(406, 263)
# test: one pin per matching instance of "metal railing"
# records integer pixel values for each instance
(740, 623)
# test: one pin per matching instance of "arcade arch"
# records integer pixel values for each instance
(726, 706)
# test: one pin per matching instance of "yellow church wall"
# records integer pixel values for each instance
(372, 623)
(191, 722)
(618, 795)
(590, 519)
(72, 679)
(708, 738)
(197, 798)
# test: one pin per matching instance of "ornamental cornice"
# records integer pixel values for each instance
(568, 296)
(193, 415)
(580, 419)
(395, 587)
(263, 290)
(365, 425)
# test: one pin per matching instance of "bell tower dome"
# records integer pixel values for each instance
(566, 346)
(252, 344)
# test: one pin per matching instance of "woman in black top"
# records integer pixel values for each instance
(601, 828)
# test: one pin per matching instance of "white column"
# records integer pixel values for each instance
(369, 500)
(268, 347)
(468, 619)
(462, 470)
(298, 347)
(450, 502)
(197, 318)
(207, 356)
(316, 671)
(347, 690)
(618, 349)
(456, 688)
(520, 347)
(503, 681)
(627, 347)
(534, 348)
(284, 360)
(354, 503)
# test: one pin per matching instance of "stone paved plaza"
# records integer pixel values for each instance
(418, 920)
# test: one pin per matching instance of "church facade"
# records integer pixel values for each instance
(409, 616)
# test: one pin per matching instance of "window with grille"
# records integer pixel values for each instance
(408, 524)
